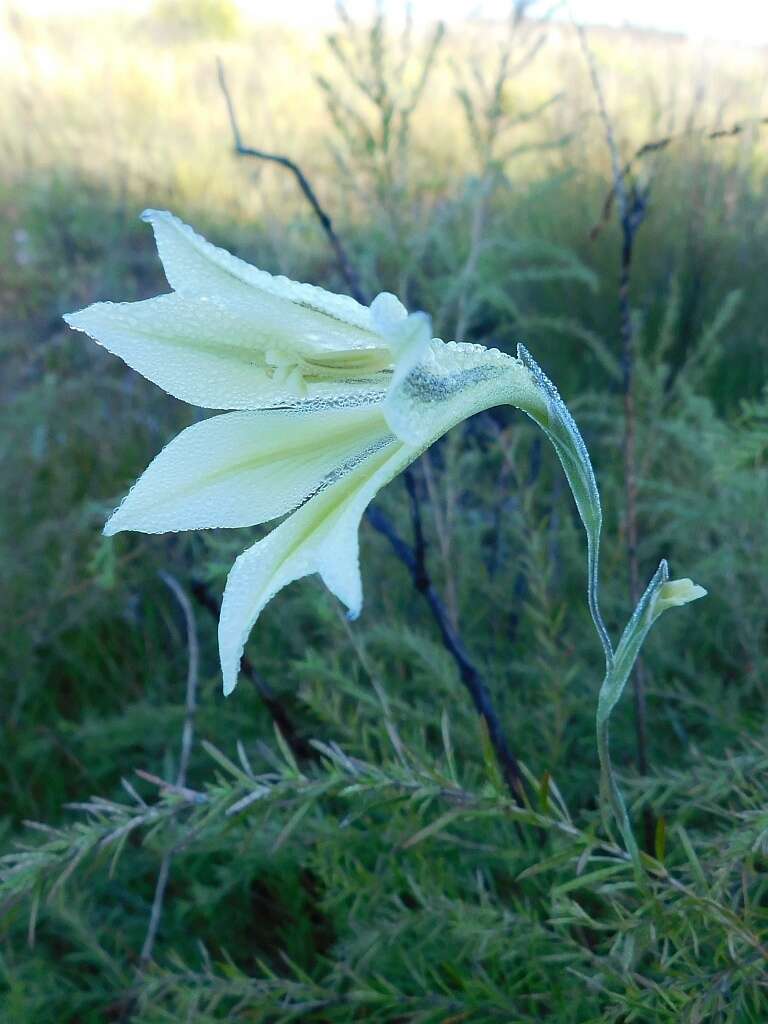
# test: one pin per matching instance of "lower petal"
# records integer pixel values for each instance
(321, 537)
(244, 468)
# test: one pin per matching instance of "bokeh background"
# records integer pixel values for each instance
(465, 167)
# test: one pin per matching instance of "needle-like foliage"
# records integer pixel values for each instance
(338, 842)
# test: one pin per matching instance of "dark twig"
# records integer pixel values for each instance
(632, 204)
(470, 675)
(414, 559)
(346, 268)
(187, 739)
(421, 574)
(657, 146)
(299, 745)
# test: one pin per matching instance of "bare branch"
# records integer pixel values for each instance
(157, 909)
(468, 672)
(659, 145)
(347, 271)
(421, 575)
(193, 649)
(610, 138)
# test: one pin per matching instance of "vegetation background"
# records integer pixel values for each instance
(367, 861)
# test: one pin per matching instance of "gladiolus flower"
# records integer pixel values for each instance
(330, 400)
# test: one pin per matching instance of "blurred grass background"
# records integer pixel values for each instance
(465, 170)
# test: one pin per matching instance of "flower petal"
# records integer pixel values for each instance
(293, 316)
(193, 266)
(244, 468)
(322, 537)
(387, 311)
(676, 593)
(453, 381)
(216, 355)
(230, 334)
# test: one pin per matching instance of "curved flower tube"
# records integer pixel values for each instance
(330, 400)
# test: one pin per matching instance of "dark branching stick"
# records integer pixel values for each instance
(632, 205)
(300, 745)
(413, 559)
(344, 264)
(421, 574)
(187, 739)
(657, 146)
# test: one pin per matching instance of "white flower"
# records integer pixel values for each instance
(333, 399)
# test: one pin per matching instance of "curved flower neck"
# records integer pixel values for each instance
(454, 380)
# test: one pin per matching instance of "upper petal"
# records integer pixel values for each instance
(231, 336)
(215, 353)
(193, 266)
(244, 468)
(322, 536)
(299, 317)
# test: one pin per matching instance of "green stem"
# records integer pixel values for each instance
(615, 680)
(564, 435)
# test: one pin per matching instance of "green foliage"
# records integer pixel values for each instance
(382, 872)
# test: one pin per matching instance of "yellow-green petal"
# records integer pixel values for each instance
(209, 353)
(244, 468)
(285, 315)
(193, 266)
(231, 336)
(675, 594)
(321, 537)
